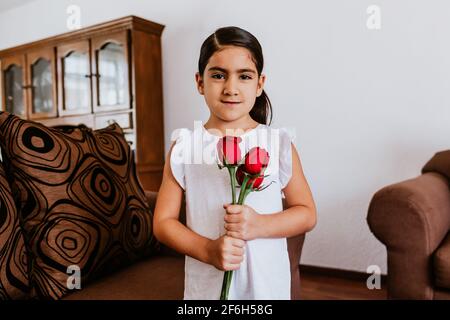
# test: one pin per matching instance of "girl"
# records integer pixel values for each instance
(249, 239)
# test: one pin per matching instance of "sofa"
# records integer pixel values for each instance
(412, 219)
(76, 223)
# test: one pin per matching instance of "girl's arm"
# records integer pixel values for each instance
(224, 253)
(299, 216)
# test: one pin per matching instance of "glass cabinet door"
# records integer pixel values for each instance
(41, 74)
(74, 78)
(111, 75)
(13, 91)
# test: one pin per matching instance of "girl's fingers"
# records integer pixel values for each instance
(235, 235)
(232, 227)
(234, 241)
(232, 218)
(232, 267)
(238, 242)
(235, 259)
(236, 251)
(232, 209)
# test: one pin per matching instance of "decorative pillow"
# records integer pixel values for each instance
(13, 255)
(80, 200)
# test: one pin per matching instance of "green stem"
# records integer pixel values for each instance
(229, 274)
(226, 285)
(247, 192)
(243, 189)
(232, 172)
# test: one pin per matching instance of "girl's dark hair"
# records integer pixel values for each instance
(238, 37)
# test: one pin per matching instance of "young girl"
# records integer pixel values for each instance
(251, 238)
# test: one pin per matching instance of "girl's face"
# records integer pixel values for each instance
(230, 83)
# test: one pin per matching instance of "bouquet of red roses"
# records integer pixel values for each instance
(246, 173)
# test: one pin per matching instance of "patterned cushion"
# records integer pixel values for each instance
(13, 255)
(80, 200)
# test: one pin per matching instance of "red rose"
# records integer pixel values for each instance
(228, 150)
(240, 175)
(256, 160)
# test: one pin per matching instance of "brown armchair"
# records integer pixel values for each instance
(412, 219)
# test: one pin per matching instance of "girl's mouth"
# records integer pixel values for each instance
(230, 103)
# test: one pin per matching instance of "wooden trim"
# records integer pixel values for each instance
(124, 23)
(150, 168)
(144, 25)
(337, 273)
(147, 73)
(87, 119)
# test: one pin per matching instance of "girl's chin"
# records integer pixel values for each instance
(234, 110)
(227, 117)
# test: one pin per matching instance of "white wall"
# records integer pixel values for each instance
(369, 107)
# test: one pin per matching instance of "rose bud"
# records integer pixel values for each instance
(256, 160)
(228, 150)
(240, 175)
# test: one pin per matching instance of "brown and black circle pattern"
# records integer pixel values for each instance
(14, 283)
(80, 199)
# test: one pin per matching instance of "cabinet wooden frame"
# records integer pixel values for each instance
(8, 62)
(32, 57)
(64, 51)
(120, 38)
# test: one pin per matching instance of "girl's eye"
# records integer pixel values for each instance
(246, 77)
(217, 76)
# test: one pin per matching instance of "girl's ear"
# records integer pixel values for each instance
(261, 80)
(199, 81)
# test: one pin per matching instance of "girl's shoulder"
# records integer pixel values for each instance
(281, 133)
(179, 133)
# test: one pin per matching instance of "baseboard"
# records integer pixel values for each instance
(337, 273)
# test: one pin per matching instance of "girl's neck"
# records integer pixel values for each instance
(244, 125)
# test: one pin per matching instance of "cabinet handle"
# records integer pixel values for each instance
(88, 75)
(97, 75)
(28, 87)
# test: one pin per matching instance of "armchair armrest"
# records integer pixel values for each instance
(411, 218)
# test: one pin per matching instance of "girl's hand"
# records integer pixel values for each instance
(241, 221)
(226, 253)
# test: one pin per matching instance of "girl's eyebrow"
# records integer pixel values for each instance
(226, 71)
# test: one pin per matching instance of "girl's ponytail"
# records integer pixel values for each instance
(261, 110)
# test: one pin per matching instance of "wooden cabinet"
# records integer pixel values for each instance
(110, 72)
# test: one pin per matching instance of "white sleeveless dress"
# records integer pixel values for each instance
(264, 273)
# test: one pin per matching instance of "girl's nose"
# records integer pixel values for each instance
(230, 87)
